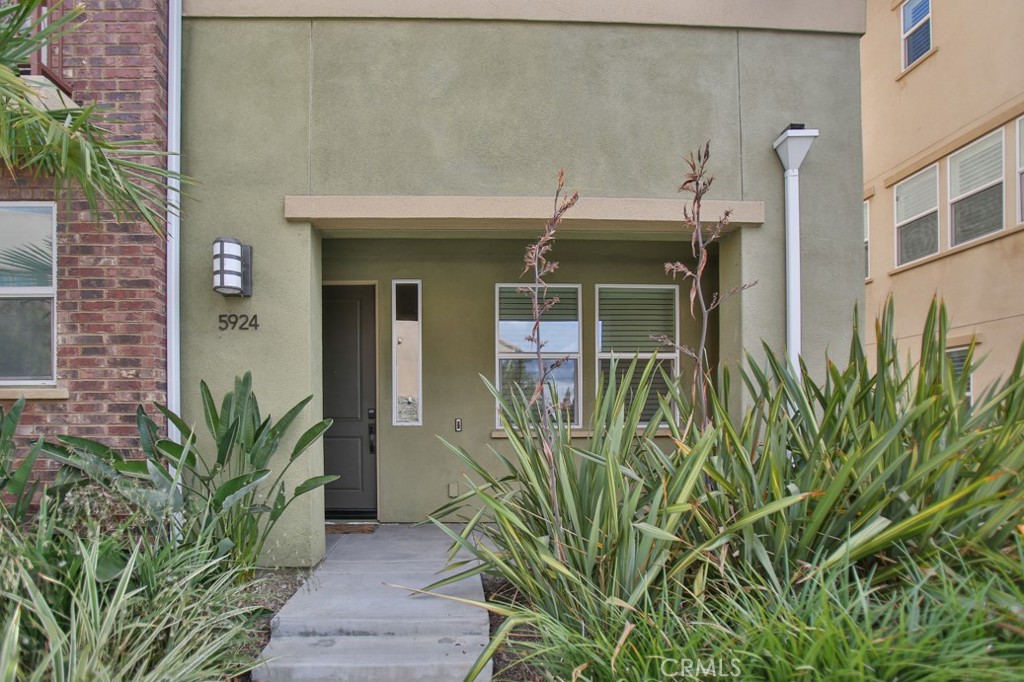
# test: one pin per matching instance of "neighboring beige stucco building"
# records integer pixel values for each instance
(943, 97)
(365, 146)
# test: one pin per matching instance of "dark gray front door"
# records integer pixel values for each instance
(350, 399)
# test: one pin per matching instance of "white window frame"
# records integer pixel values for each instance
(394, 352)
(867, 244)
(908, 31)
(898, 224)
(1020, 170)
(577, 420)
(970, 377)
(672, 355)
(949, 188)
(49, 292)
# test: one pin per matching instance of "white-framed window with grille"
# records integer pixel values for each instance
(560, 338)
(867, 247)
(917, 30)
(917, 216)
(958, 356)
(976, 189)
(28, 293)
(630, 320)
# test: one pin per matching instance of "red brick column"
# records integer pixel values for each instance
(111, 275)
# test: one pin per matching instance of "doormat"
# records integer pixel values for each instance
(347, 528)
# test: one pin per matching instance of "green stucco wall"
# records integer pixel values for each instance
(458, 293)
(276, 107)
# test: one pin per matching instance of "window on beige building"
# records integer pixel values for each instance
(867, 248)
(958, 356)
(917, 216)
(917, 30)
(1020, 170)
(976, 189)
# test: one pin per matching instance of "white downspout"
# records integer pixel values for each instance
(792, 146)
(173, 218)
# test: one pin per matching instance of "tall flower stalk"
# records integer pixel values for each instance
(537, 264)
(697, 182)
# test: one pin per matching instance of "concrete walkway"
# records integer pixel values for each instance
(346, 624)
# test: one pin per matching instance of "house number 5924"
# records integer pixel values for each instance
(240, 322)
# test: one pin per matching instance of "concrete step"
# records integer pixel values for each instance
(371, 659)
(359, 604)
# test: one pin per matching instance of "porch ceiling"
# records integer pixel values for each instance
(503, 217)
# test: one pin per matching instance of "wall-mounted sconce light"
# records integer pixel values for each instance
(232, 267)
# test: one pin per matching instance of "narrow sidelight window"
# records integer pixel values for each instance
(407, 352)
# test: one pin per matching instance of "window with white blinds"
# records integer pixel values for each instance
(917, 30)
(976, 189)
(958, 357)
(917, 216)
(631, 321)
(560, 344)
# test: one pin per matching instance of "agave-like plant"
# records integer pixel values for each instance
(899, 458)
(72, 144)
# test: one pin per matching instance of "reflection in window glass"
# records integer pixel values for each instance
(560, 339)
(407, 355)
(561, 383)
(26, 245)
(27, 292)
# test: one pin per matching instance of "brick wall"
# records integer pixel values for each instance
(111, 276)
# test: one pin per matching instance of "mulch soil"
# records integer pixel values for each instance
(507, 665)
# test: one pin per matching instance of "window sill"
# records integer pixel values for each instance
(916, 64)
(34, 393)
(987, 239)
(501, 434)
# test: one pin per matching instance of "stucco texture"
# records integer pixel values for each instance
(277, 107)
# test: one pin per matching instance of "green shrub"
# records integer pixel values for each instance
(230, 495)
(836, 626)
(896, 459)
(100, 613)
(17, 490)
(875, 472)
(623, 503)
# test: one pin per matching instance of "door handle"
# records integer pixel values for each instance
(373, 440)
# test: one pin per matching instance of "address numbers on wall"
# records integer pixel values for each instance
(238, 322)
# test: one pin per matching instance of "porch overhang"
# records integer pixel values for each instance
(506, 217)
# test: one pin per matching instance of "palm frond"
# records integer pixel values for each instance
(72, 145)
